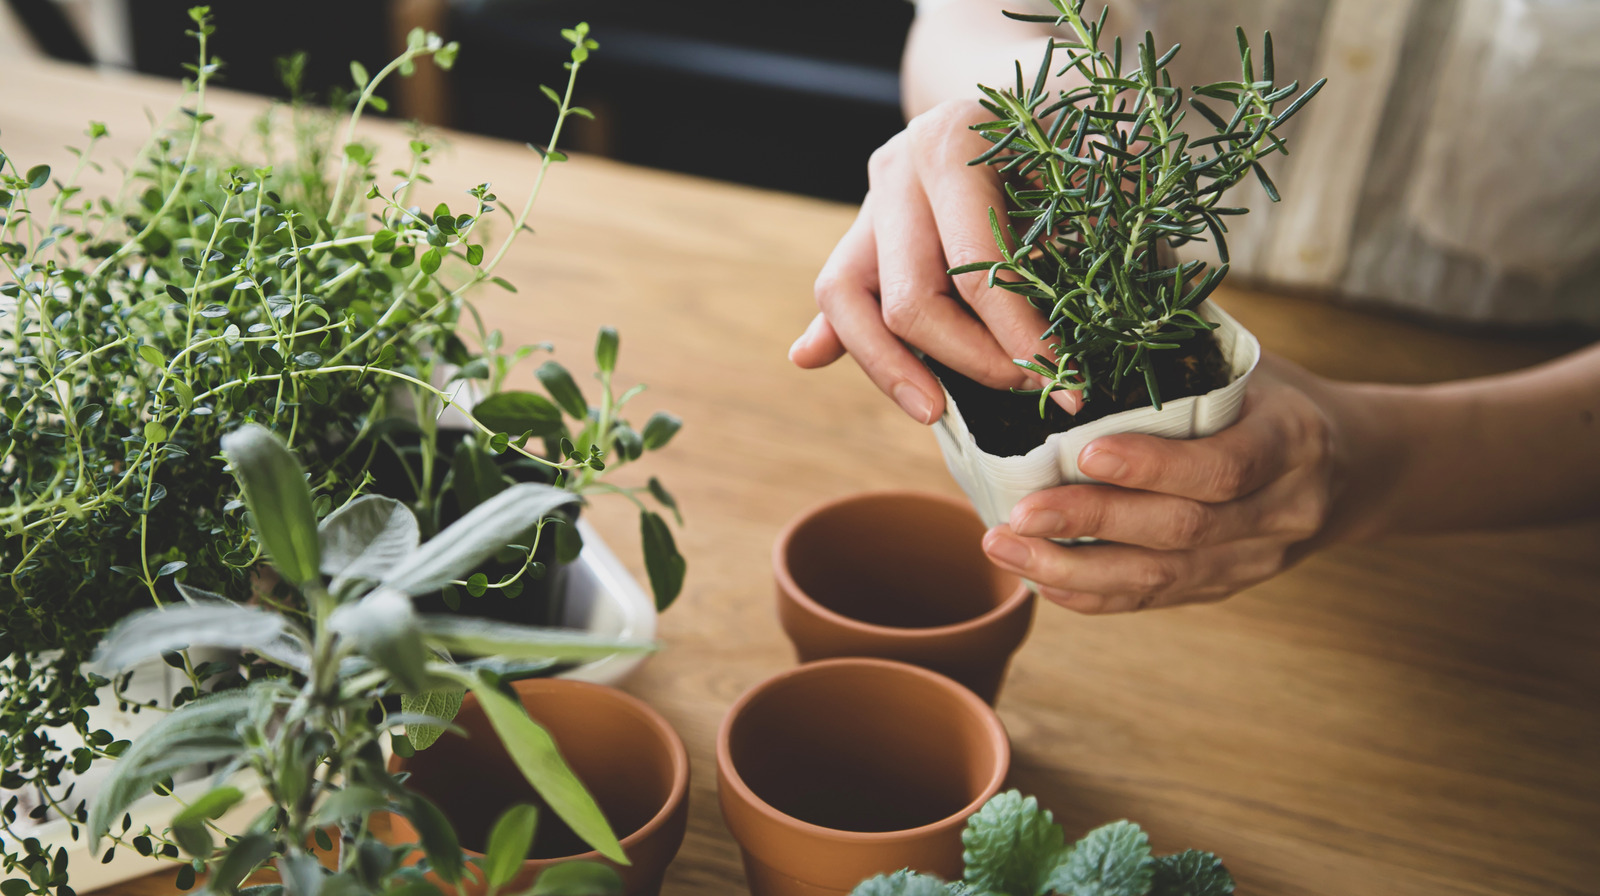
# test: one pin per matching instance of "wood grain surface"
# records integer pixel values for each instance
(1420, 716)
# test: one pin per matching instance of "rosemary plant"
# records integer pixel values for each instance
(1099, 175)
(308, 726)
(293, 291)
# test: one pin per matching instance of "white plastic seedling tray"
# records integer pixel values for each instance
(602, 597)
(995, 484)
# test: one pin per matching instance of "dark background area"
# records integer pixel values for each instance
(785, 96)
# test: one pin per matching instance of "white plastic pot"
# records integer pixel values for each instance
(604, 599)
(995, 484)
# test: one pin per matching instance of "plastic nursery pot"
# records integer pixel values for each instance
(901, 576)
(837, 770)
(995, 483)
(626, 754)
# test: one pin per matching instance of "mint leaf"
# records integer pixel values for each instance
(902, 883)
(1011, 846)
(1191, 873)
(1111, 860)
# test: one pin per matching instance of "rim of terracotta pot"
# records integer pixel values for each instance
(780, 567)
(679, 755)
(990, 721)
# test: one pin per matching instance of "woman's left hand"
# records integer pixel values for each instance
(1193, 520)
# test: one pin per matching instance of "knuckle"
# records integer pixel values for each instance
(1154, 576)
(960, 251)
(924, 129)
(1083, 517)
(1263, 566)
(826, 285)
(1190, 525)
(1300, 519)
(1232, 477)
(1317, 437)
(883, 158)
(902, 314)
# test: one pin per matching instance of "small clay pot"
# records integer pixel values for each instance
(902, 576)
(840, 769)
(626, 754)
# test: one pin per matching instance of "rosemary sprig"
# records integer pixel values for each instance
(1099, 174)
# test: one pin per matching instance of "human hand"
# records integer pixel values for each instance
(1193, 520)
(886, 286)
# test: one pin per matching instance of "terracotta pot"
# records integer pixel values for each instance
(902, 576)
(628, 757)
(837, 770)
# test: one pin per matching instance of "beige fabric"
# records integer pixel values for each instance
(1521, 85)
(1450, 167)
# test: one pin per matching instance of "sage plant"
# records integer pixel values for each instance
(308, 725)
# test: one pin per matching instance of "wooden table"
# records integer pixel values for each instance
(1415, 717)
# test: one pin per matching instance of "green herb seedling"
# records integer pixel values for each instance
(308, 723)
(1099, 176)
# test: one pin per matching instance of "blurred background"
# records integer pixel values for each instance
(790, 96)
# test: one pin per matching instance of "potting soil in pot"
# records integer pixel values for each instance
(1007, 424)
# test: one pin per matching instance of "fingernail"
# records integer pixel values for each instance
(1043, 523)
(914, 402)
(1008, 551)
(1101, 464)
(1070, 401)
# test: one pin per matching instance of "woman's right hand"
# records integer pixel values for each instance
(885, 286)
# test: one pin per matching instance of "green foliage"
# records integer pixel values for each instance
(309, 731)
(904, 883)
(509, 842)
(535, 754)
(275, 489)
(1113, 860)
(1099, 176)
(1008, 843)
(1015, 848)
(215, 290)
(440, 704)
(578, 879)
(1191, 873)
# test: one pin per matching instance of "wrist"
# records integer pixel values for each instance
(1373, 434)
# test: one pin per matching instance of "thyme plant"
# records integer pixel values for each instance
(307, 728)
(304, 290)
(1099, 175)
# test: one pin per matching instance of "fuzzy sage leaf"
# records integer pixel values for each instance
(534, 752)
(366, 538)
(472, 539)
(151, 633)
(275, 490)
